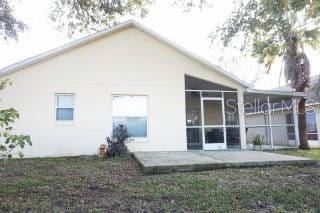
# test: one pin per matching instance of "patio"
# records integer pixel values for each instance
(167, 162)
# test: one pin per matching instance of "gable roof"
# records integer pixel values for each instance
(131, 23)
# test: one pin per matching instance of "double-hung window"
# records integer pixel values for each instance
(131, 111)
(64, 107)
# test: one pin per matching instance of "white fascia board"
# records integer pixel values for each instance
(276, 92)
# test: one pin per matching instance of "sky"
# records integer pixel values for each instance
(188, 29)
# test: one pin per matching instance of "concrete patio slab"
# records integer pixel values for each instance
(166, 162)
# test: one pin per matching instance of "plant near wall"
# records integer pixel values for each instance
(257, 141)
(8, 140)
(116, 143)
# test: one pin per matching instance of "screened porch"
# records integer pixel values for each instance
(214, 113)
(212, 119)
(273, 116)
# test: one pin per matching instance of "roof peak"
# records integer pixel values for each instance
(129, 23)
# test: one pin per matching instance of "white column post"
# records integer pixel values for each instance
(224, 121)
(242, 122)
(202, 122)
(270, 121)
(295, 120)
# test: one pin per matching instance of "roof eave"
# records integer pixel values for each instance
(276, 92)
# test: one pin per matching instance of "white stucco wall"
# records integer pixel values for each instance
(126, 62)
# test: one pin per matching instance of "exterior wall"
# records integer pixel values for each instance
(126, 62)
(252, 132)
(280, 134)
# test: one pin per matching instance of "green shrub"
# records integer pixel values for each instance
(258, 140)
(116, 143)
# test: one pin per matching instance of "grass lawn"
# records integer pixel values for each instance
(312, 153)
(80, 184)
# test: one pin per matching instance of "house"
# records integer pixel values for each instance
(312, 110)
(71, 98)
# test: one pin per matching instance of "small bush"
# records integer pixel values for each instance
(116, 143)
(258, 140)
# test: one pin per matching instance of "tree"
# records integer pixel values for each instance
(8, 140)
(75, 15)
(9, 25)
(94, 15)
(187, 5)
(277, 28)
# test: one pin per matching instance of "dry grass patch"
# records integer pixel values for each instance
(82, 184)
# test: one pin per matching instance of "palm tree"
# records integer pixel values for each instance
(268, 29)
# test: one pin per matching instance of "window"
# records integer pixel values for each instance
(64, 107)
(130, 111)
(311, 125)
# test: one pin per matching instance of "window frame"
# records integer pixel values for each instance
(133, 139)
(56, 107)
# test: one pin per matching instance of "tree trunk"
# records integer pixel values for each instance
(303, 124)
(297, 72)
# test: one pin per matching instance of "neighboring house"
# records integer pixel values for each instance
(313, 111)
(281, 114)
(72, 97)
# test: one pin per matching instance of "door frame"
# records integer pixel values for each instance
(214, 146)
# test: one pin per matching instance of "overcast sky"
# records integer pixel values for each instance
(189, 29)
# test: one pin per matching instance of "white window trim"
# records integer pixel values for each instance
(67, 122)
(133, 139)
